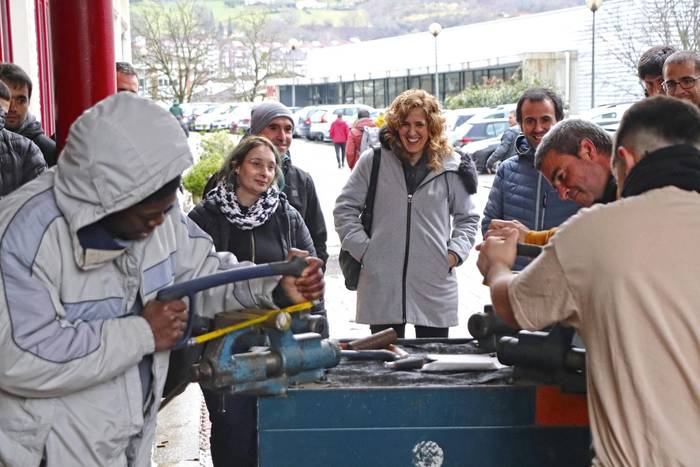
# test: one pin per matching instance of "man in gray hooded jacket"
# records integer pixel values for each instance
(83, 253)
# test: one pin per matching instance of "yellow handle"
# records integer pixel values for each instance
(247, 323)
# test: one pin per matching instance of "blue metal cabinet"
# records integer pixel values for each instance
(484, 426)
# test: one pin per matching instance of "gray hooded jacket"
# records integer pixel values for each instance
(71, 334)
(405, 275)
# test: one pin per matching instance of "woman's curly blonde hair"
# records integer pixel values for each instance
(438, 147)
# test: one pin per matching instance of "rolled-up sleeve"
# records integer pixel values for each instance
(540, 295)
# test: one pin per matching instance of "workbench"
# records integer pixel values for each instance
(362, 414)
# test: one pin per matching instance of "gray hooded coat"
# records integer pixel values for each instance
(71, 334)
(405, 275)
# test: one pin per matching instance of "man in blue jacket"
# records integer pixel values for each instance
(519, 191)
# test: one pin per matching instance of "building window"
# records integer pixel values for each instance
(379, 94)
(348, 94)
(452, 84)
(367, 93)
(426, 83)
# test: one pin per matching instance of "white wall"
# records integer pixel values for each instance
(24, 48)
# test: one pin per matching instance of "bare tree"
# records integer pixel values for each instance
(655, 22)
(176, 38)
(264, 54)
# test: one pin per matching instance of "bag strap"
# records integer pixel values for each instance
(367, 212)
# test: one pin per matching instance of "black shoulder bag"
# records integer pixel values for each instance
(349, 265)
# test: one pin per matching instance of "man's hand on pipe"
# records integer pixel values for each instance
(497, 252)
(168, 321)
(310, 285)
(500, 228)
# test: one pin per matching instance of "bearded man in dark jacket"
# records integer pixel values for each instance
(20, 159)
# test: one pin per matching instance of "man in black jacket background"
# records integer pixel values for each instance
(19, 119)
(20, 159)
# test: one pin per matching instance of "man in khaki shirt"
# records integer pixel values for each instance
(625, 275)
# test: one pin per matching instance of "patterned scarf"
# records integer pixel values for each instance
(245, 219)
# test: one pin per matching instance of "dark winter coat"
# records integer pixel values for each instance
(269, 242)
(301, 193)
(505, 149)
(32, 129)
(522, 193)
(20, 161)
(299, 188)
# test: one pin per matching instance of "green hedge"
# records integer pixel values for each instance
(215, 148)
(495, 92)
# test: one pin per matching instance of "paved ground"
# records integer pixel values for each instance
(181, 440)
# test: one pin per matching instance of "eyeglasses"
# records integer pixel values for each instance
(685, 82)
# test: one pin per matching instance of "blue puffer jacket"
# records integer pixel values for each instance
(522, 193)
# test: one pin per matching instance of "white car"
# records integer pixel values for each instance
(218, 118)
(607, 116)
(322, 119)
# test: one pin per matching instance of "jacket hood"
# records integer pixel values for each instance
(523, 149)
(117, 153)
(31, 128)
(362, 123)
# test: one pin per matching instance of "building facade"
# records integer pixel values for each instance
(554, 48)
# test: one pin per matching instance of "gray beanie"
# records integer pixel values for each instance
(263, 113)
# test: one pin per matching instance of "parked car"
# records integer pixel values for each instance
(463, 116)
(456, 117)
(478, 129)
(608, 116)
(302, 122)
(240, 122)
(218, 118)
(322, 119)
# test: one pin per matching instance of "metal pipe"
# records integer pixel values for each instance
(89, 76)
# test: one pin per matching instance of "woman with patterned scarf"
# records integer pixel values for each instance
(246, 214)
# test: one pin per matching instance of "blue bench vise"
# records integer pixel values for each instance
(264, 360)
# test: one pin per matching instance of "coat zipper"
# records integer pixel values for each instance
(252, 246)
(408, 243)
(405, 257)
(544, 208)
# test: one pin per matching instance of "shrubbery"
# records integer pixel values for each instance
(215, 148)
(494, 92)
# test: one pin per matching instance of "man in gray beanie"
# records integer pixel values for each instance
(276, 122)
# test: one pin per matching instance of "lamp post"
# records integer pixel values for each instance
(593, 5)
(293, 44)
(435, 29)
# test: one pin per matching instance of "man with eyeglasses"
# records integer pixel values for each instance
(682, 76)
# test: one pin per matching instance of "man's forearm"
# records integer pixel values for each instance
(499, 278)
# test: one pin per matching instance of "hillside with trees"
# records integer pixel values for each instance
(344, 20)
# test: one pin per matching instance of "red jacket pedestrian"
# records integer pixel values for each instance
(339, 130)
(352, 148)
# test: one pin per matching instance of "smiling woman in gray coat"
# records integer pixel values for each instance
(424, 222)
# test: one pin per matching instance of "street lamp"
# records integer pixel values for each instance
(593, 5)
(293, 44)
(435, 29)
